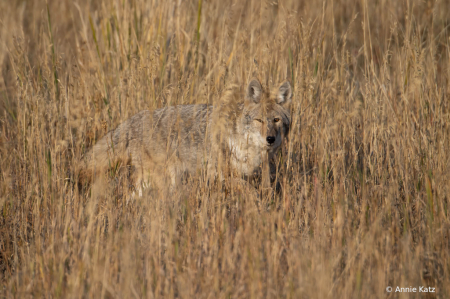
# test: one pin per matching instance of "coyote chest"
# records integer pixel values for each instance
(164, 144)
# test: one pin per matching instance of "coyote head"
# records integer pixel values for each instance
(263, 123)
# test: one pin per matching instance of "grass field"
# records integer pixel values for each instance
(365, 176)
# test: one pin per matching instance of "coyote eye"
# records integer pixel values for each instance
(276, 120)
(258, 120)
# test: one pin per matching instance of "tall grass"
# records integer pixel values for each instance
(364, 177)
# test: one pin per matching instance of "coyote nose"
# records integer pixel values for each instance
(270, 139)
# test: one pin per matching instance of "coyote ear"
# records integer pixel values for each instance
(284, 94)
(254, 91)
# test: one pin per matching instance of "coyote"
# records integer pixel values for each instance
(170, 142)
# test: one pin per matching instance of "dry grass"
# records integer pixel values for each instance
(365, 177)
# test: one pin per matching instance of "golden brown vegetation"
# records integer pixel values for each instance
(365, 177)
